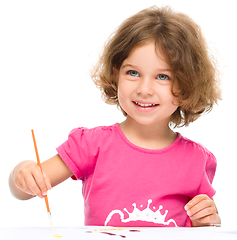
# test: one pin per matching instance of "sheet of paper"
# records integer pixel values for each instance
(103, 233)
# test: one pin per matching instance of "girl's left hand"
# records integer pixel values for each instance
(202, 211)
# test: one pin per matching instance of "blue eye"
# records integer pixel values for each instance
(133, 73)
(163, 77)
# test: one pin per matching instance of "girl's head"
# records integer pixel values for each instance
(179, 39)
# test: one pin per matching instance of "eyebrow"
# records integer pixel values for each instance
(128, 65)
(134, 66)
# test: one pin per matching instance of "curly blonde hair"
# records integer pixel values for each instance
(181, 41)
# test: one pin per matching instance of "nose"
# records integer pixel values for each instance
(145, 86)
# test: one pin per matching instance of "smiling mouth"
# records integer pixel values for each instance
(146, 105)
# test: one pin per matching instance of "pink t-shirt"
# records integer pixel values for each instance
(126, 185)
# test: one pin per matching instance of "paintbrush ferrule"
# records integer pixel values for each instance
(50, 221)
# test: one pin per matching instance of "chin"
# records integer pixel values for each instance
(148, 121)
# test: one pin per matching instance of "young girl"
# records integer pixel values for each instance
(157, 70)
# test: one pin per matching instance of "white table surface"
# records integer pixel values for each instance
(97, 233)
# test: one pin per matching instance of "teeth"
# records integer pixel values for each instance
(145, 105)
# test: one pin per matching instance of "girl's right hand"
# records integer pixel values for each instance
(26, 180)
(29, 178)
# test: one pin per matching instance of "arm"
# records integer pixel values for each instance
(26, 180)
(202, 211)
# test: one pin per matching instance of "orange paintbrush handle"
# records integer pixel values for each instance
(47, 203)
(36, 150)
(39, 164)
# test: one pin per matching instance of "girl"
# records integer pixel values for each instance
(157, 70)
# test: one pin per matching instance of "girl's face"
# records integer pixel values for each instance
(144, 86)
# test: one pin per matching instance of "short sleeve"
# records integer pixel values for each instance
(74, 152)
(208, 176)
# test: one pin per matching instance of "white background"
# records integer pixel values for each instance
(47, 49)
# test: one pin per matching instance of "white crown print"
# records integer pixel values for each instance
(146, 215)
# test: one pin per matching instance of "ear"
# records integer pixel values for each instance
(116, 73)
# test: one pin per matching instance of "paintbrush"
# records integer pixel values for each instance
(45, 197)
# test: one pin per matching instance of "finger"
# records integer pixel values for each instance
(206, 212)
(40, 181)
(21, 184)
(195, 200)
(47, 181)
(33, 186)
(200, 206)
(26, 189)
(206, 221)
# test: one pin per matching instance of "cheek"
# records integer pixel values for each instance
(165, 93)
(168, 99)
(175, 101)
(176, 92)
(125, 93)
(121, 93)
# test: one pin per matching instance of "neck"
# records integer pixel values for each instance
(153, 136)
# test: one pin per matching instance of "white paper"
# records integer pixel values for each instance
(103, 233)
